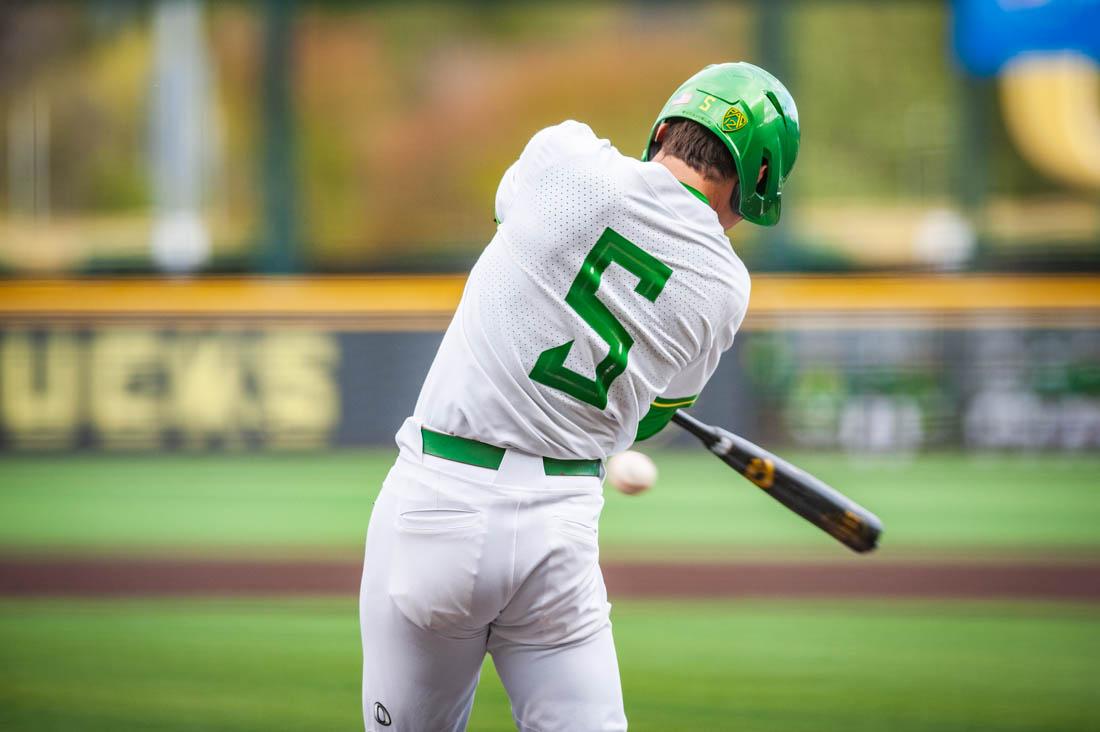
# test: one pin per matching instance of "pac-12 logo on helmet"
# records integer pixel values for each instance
(733, 120)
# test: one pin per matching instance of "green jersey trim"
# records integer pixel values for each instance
(660, 414)
(696, 192)
(683, 402)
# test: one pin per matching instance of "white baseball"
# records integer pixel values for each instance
(631, 472)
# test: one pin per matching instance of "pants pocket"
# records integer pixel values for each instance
(434, 572)
(437, 520)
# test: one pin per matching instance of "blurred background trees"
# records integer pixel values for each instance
(398, 120)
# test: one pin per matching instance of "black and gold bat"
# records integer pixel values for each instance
(844, 519)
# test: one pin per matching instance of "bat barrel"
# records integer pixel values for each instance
(836, 514)
(808, 496)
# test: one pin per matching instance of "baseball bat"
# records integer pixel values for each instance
(842, 518)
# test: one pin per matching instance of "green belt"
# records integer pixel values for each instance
(472, 452)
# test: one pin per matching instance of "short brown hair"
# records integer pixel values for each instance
(698, 147)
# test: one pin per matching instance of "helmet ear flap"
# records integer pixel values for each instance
(747, 199)
(762, 182)
(763, 204)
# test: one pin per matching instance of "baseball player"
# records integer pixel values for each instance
(601, 305)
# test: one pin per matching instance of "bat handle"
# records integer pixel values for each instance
(704, 432)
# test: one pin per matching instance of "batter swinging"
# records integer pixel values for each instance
(601, 306)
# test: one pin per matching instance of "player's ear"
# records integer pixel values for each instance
(762, 177)
(658, 139)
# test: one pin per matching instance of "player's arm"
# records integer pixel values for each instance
(684, 388)
(680, 394)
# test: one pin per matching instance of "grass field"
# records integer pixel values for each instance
(293, 665)
(752, 666)
(321, 502)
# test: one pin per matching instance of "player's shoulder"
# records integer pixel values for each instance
(566, 139)
(708, 255)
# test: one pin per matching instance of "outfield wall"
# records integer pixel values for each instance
(863, 363)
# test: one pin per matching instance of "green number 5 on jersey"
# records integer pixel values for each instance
(652, 274)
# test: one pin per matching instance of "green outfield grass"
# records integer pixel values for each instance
(321, 502)
(752, 666)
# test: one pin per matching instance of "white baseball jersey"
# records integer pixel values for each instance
(609, 288)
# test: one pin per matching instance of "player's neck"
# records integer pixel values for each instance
(691, 178)
(717, 192)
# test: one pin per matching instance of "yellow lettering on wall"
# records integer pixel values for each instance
(39, 383)
(296, 377)
(207, 382)
(128, 386)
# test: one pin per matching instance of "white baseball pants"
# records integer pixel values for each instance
(463, 560)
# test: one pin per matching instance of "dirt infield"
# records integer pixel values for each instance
(112, 577)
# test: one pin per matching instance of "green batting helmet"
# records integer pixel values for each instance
(754, 114)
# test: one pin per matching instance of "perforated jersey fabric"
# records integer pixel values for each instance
(553, 205)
